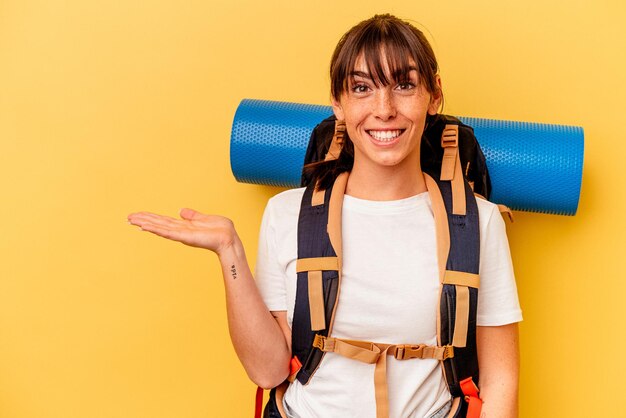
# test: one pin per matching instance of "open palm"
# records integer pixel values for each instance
(195, 229)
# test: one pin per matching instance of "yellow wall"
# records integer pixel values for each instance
(112, 107)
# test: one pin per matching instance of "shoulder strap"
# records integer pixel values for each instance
(458, 254)
(319, 272)
(319, 275)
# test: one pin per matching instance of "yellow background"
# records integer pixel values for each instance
(112, 107)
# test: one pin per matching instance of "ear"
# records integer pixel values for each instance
(337, 109)
(436, 98)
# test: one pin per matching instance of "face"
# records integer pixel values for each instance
(385, 123)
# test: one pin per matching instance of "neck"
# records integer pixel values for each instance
(386, 183)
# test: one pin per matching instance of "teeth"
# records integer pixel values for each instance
(385, 136)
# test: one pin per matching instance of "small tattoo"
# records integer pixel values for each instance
(233, 271)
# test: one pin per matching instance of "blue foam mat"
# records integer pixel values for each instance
(534, 167)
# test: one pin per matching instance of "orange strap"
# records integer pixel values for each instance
(451, 169)
(505, 210)
(376, 353)
(314, 267)
(294, 368)
(337, 142)
(475, 404)
(450, 145)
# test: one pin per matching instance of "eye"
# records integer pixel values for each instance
(407, 85)
(360, 88)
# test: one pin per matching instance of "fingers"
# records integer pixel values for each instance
(163, 226)
(163, 231)
(195, 229)
(180, 230)
(142, 218)
(194, 216)
(188, 214)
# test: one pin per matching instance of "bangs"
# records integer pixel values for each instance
(391, 55)
(383, 43)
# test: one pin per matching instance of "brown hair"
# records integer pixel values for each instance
(402, 43)
(404, 46)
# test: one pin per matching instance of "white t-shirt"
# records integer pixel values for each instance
(389, 294)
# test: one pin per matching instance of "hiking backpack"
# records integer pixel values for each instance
(455, 170)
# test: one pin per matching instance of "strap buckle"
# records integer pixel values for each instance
(323, 343)
(448, 352)
(450, 137)
(408, 351)
(404, 352)
(471, 396)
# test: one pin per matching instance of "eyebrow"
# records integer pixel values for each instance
(395, 75)
(360, 74)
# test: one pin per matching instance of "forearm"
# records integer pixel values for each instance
(258, 339)
(256, 336)
(498, 358)
(500, 399)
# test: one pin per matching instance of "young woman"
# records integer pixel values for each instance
(384, 86)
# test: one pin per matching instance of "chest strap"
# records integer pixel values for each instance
(376, 353)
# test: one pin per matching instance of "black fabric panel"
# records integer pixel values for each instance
(271, 409)
(469, 152)
(464, 364)
(319, 142)
(447, 314)
(464, 232)
(313, 241)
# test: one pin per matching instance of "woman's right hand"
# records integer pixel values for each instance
(215, 233)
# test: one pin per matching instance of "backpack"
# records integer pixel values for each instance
(471, 156)
(455, 169)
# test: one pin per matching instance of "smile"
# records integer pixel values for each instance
(385, 136)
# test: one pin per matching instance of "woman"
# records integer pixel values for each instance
(384, 86)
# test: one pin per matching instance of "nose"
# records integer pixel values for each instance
(384, 105)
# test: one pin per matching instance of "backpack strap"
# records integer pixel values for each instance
(319, 254)
(376, 353)
(319, 272)
(458, 256)
(505, 210)
(451, 169)
(336, 144)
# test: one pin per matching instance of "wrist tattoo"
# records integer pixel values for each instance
(233, 271)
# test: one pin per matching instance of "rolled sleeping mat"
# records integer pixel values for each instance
(533, 167)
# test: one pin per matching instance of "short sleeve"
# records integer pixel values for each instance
(270, 276)
(498, 303)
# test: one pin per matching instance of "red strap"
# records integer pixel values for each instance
(258, 405)
(468, 387)
(294, 368)
(294, 365)
(474, 403)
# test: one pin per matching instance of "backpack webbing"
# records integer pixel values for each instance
(319, 235)
(458, 252)
(462, 255)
